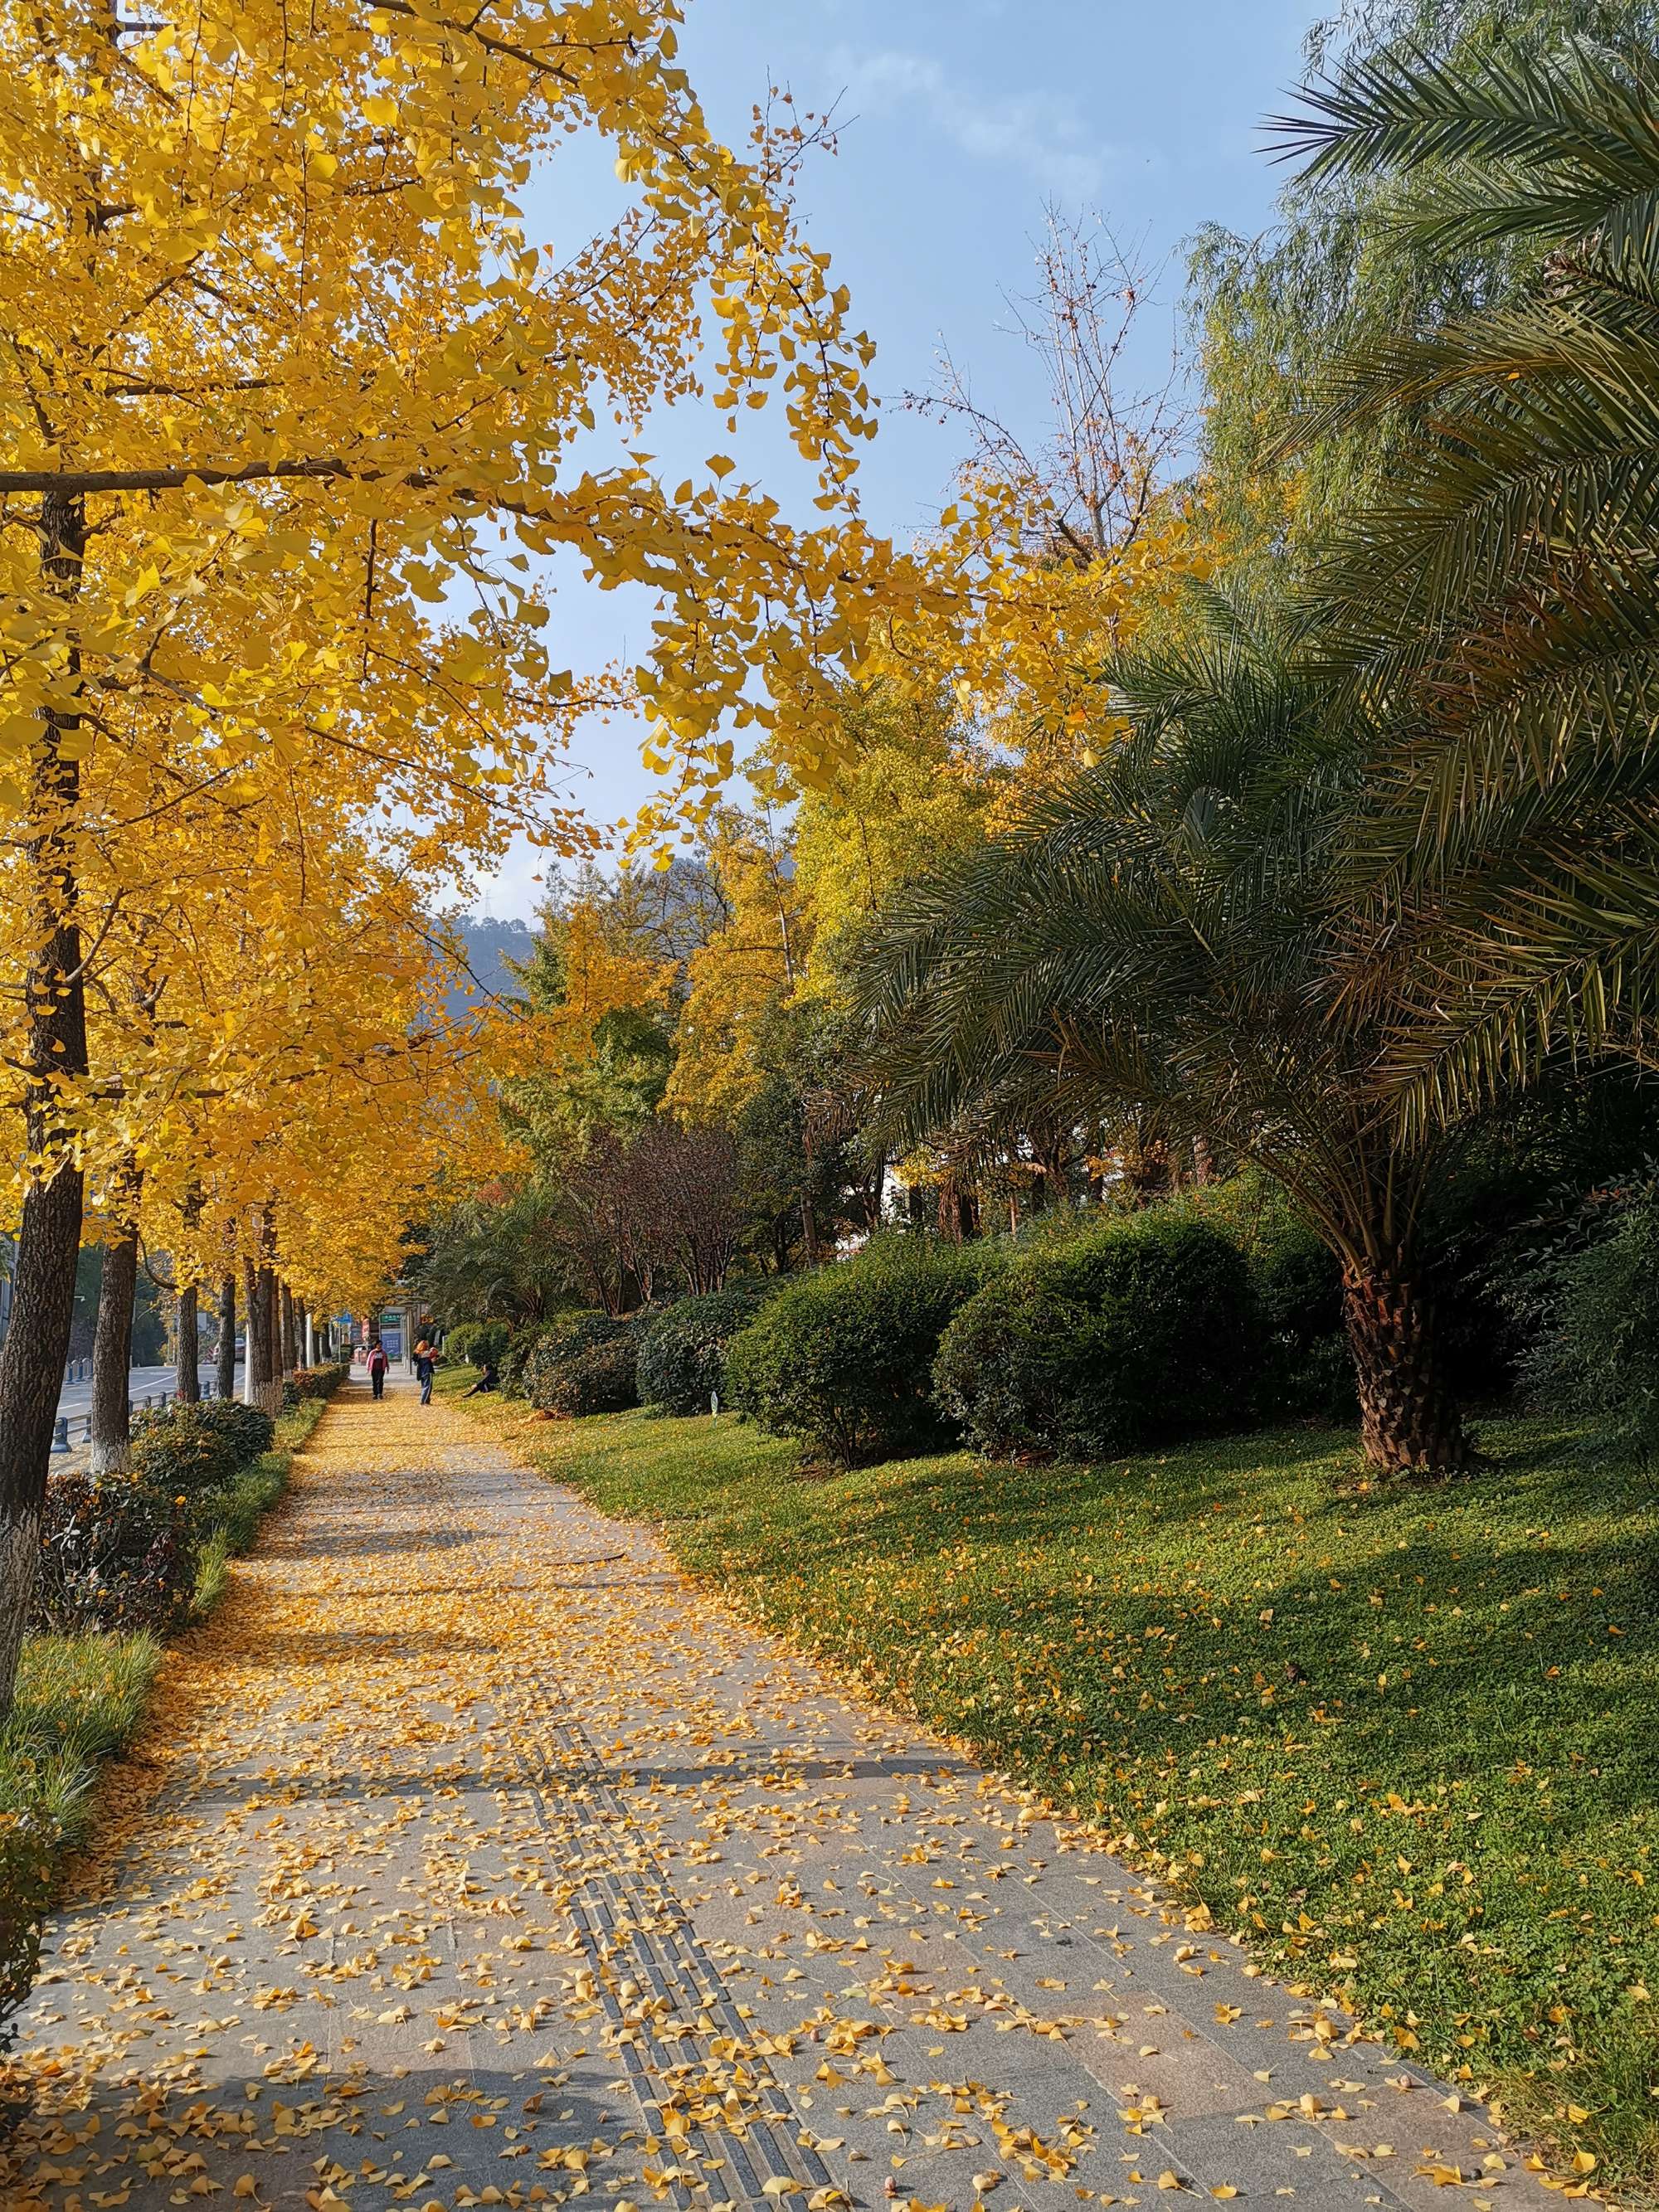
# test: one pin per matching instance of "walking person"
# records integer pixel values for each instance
(377, 1367)
(425, 1366)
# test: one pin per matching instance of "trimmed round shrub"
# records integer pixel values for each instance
(586, 1363)
(1143, 1330)
(683, 1349)
(250, 1429)
(842, 1359)
(116, 1551)
(180, 1451)
(1306, 1367)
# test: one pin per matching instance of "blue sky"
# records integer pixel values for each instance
(959, 122)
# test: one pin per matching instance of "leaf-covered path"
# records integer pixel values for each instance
(478, 1858)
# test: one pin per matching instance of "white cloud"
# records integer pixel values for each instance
(1036, 132)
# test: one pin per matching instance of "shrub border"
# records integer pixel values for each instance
(64, 1808)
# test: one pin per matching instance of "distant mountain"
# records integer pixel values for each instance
(489, 945)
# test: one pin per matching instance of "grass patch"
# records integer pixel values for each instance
(78, 1700)
(1403, 1743)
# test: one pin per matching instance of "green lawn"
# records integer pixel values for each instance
(1406, 1743)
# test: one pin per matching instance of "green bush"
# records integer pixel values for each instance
(476, 1341)
(842, 1359)
(1143, 1329)
(683, 1349)
(586, 1363)
(318, 1381)
(557, 1341)
(522, 1344)
(1306, 1367)
(181, 1451)
(118, 1551)
(1596, 1309)
(249, 1428)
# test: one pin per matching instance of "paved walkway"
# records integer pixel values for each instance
(478, 1859)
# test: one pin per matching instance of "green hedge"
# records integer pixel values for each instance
(586, 1363)
(1145, 1329)
(683, 1349)
(315, 1381)
(476, 1341)
(250, 1429)
(184, 1450)
(842, 1359)
(522, 1344)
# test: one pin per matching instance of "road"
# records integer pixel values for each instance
(76, 1398)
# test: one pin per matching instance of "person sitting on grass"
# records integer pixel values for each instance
(488, 1380)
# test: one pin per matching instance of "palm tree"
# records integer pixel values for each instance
(1498, 608)
(1172, 934)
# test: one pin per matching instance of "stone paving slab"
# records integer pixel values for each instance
(478, 1858)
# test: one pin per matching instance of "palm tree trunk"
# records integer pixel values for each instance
(225, 1379)
(1409, 1421)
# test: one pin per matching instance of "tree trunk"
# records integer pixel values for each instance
(1409, 1422)
(53, 1059)
(225, 1379)
(309, 1333)
(189, 1313)
(31, 1376)
(270, 1395)
(290, 1358)
(189, 1347)
(253, 1336)
(112, 1356)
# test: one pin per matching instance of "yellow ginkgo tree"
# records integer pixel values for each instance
(294, 403)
